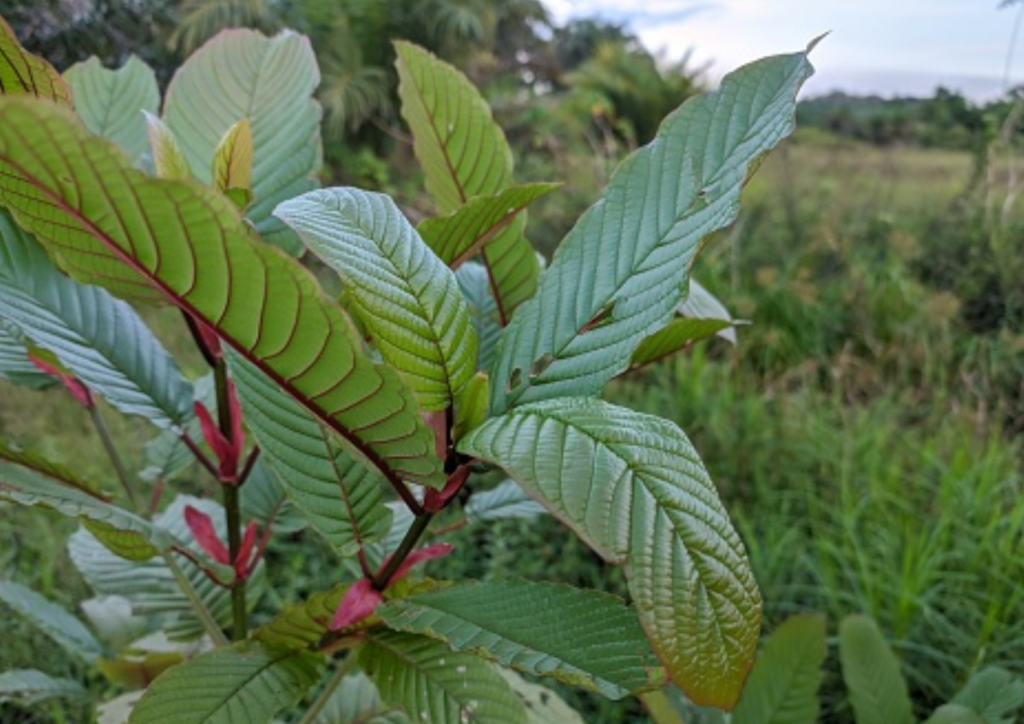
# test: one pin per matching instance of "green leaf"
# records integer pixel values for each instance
(434, 684)
(110, 102)
(954, 714)
(677, 335)
(356, 701)
(461, 235)
(247, 682)
(339, 497)
(23, 73)
(702, 304)
(583, 638)
(264, 500)
(634, 247)
(66, 631)
(783, 685)
(407, 298)
(232, 160)
(29, 479)
(464, 154)
(169, 160)
(271, 84)
(994, 693)
(634, 489)
(98, 338)
(28, 687)
(483, 310)
(877, 689)
(302, 625)
(15, 364)
(543, 706)
(114, 225)
(503, 501)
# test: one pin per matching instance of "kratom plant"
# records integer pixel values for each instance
(380, 418)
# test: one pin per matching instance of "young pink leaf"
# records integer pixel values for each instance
(357, 603)
(436, 499)
(206, 535)
(248, 553)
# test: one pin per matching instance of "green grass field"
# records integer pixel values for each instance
(865, 431)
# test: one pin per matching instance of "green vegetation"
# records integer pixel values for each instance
(864, 432)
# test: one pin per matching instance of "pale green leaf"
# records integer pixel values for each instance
(100, 339)
(23, 73)
(464, 154)
(461, 235)
(110, 102)
(66, 631)
(340, 497)
(503, 501)
(543, 706)
(954, 714)
(135, 235)
(29, 480)
(269, 81)
(112, 619)
(407, 298)
(29, 687)
(169, 161)
(874, 682)
(434, 684)
(783, 685)
(621, 272)
(634, 489)
(483, 310)
(584, 638)
(356, 701)
(247, 682)
(232, 159)
(15, 364)
(118, 709)
(994, 693)
(702, 304)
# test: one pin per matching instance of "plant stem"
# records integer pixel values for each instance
(232, 508)
(239, 627)
(412, 536)
(115, 457)
(207, 619)
(324, 696)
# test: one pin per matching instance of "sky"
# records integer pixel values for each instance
(883, 47)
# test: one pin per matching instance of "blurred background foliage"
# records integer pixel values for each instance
(866, 432)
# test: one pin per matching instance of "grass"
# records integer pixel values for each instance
(865, 433)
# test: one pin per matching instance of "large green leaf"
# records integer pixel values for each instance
(994, 693)
(621, 272)
(434, 684)
(265, 501)
(98, 338)
(15, 364)
(340, 497)
(407, 298)
(464, 154)
(954, 714)
(783, 685)
(29, 479)
(240, 74)
(110, 102)
(30, 686)
(877, 689)
(23, 73)
(583, 638)
(247, 682)
(633, 487)
(356, 701)
(66, 630)
(461, 235)
(114, 225)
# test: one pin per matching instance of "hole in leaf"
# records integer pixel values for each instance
(515, 379)
(540, 364)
